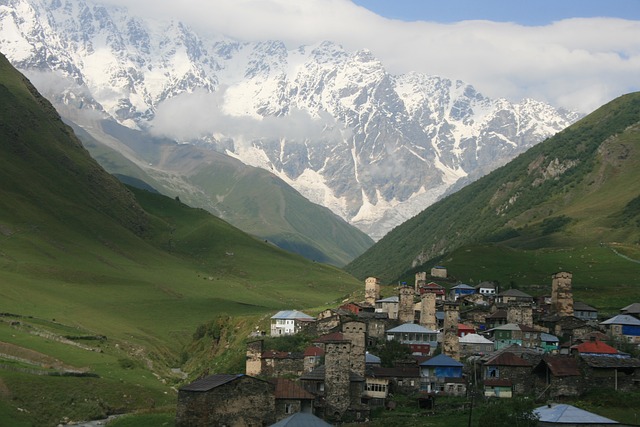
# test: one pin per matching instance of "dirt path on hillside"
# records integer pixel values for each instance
(32, 357)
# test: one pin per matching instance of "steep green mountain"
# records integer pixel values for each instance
(576, 189)
(102, 287)
(250, 198)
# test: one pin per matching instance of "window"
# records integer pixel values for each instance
(288, 408)
(321, 387)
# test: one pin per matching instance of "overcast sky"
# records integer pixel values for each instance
(577, 54)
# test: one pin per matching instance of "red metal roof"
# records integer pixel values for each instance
(595, 347)
(314, 351)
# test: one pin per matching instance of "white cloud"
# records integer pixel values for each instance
(575, 63)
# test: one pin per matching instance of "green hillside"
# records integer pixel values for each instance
(250, 198)
(103, 287)
(577, 189)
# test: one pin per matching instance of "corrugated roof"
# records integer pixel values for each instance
(411, 328)
(560, 366)
(567, 414)
(442, 360)
(372, 358)
(302, 419)
(314, 351)
(211, 382)
(287, 389)
(548, 337)
(292, 314)
(622, 319)
(595, 347)
(463, 286)
(474, 339)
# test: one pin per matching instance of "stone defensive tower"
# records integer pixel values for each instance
(421, 280)
(561, 294)
(521, 314)
(336, 378)
(253, 365)
(450, 342)
(371, 290)
(405, 304)
(355, 332)
(428, 311)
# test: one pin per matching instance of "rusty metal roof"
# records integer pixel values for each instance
(287, 389)
(508, 359)
(562, 366)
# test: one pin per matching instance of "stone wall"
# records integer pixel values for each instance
(520, 313)
(286, 366)
(355, 332)
(337, 366)
(253, 365)
(243, 402)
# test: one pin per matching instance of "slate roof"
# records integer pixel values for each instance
(411, 328)
(302, 419)
(508, 359)
(611, 362)
(580, 306)
(499, 314)
(442, 360)
(212, 381)
(622, 319)
(567, 414)
(631, 308)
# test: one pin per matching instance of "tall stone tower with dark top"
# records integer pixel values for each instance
(356, 333)
(428, 311)
(336, 380)
(421, 280)
(562, 294)
(371, 290)
(405, 304)
(450, 342)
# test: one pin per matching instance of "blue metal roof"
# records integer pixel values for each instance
(567, 414)
(622, 319)
(411, 328)
(291, 314)
(442, 360)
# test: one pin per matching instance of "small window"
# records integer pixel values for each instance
(288, 408)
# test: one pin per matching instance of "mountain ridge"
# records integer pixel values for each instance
(374, 148)
(566, 190)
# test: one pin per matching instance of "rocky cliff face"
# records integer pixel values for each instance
(375, 148)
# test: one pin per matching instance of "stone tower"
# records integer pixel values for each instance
(561, 294)
(253, 365)
(371, 290)
(355, 332)
(428, 311)
(336, 377)
(405, 304)
(450, 342)
(421, 279)
(521, 314)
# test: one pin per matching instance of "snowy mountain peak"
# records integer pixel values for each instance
(375, 148)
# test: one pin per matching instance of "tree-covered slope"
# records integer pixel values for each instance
(578, 187)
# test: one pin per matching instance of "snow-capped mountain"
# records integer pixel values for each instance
(375, 148)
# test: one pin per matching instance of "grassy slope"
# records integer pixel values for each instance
(509, 206)
(250, 198)
(82, 255)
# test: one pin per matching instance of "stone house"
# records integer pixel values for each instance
(388, 305)
(611, 372)
(585, 312)
(512, 296)
(421, 340)
(282, 363)
(288, 322)
(403, 380)
(508, 366)
(442, 374)
(567, 328)
(328, 321)
(623, 327)
(357, 307)
(439, 271)
(474, 344)
(558, 377)
(549, 343)
(464, 330)
(313, 357)
(495, 319)
(233, 400)
(291, 398)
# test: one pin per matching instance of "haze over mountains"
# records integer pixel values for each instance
(374, 148)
